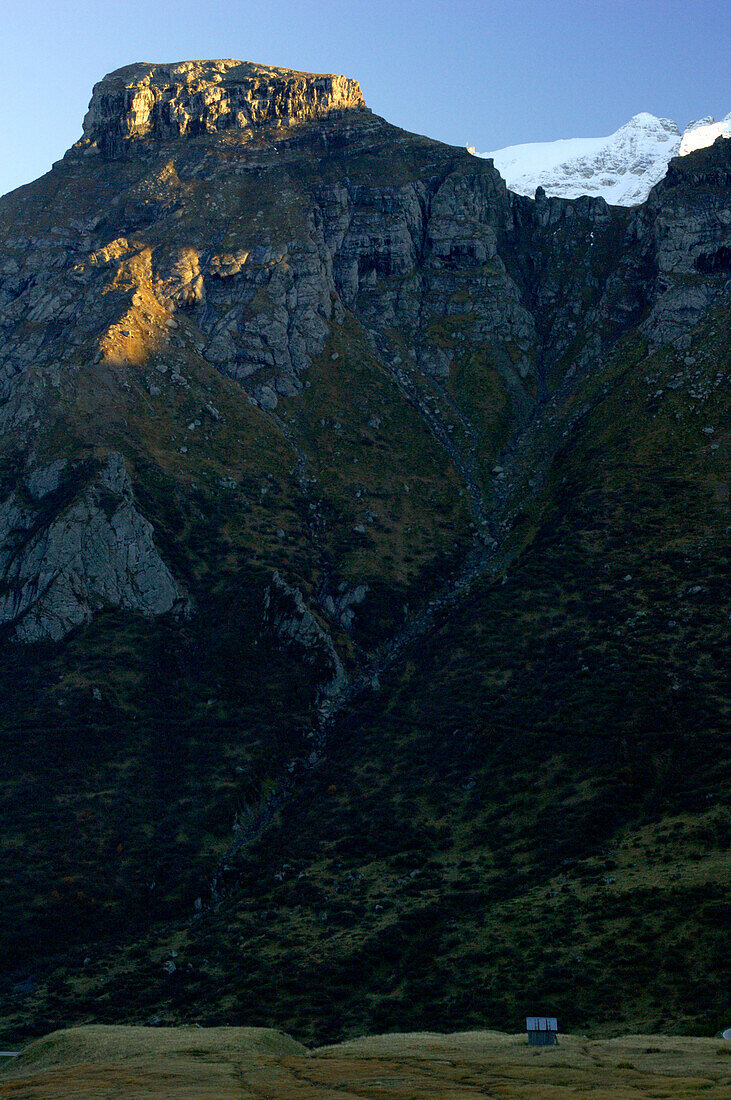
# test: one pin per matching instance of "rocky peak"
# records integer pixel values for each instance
(160, 102)
(621, 168)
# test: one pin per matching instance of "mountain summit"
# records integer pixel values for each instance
(146, 101)
(622, 168)
(362, 534)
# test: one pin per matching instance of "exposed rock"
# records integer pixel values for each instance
(56, 570)
(441, 268)
(46, 479)
(339, 606)
(179, 283)
(690, 228)
(168, 101)
(287, 614)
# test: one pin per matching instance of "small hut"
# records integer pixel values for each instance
(542, 1030)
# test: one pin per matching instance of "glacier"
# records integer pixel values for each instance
(621, 168)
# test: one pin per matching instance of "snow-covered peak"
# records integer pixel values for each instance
(704, 132)
(650, 124)
(622, 168)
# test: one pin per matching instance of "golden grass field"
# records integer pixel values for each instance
(189, 1063)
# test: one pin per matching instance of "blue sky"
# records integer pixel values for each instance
(470, 71)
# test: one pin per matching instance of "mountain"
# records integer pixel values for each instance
(362, 550)
(622, 168)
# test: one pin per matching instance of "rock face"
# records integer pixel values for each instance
(57, 569)
(691, 234)
(166, 101)
(246, 247)
(288, 616)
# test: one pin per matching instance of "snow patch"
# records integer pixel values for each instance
(704, 132)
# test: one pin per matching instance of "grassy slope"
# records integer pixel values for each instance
(529, 814)
(531, 811)
(235, 1062)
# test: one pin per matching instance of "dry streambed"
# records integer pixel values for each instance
(189, 1063)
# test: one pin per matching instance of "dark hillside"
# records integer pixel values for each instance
(362, 577)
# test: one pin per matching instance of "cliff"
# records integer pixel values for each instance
(159, 102)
